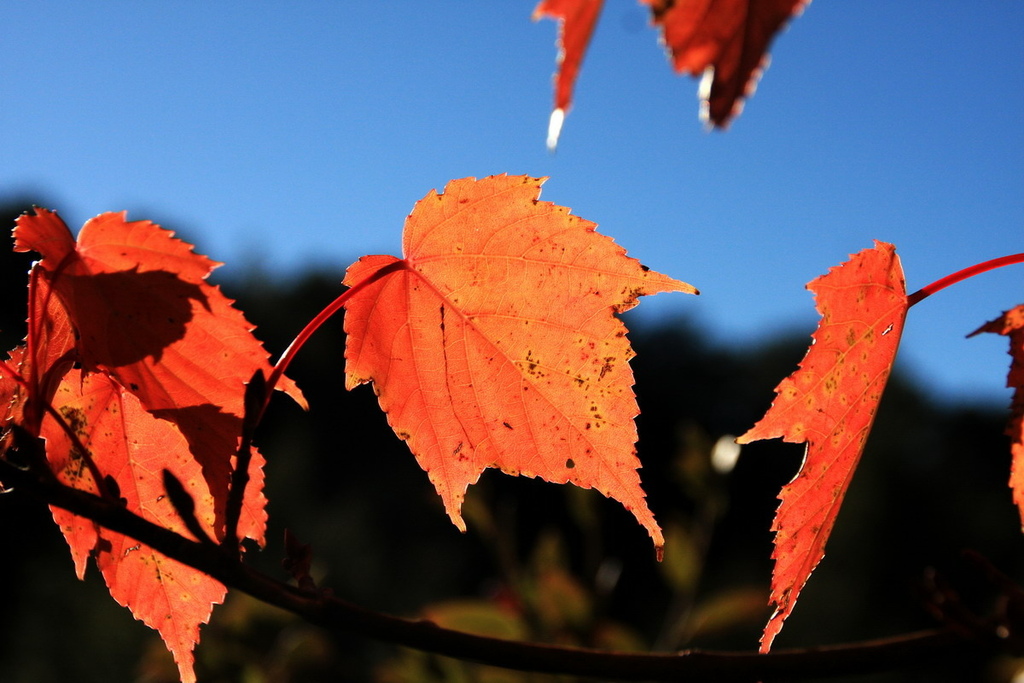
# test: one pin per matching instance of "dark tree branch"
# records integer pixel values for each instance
(331, 613)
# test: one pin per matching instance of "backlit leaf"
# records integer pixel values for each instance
(43, 361)
(145, 315)
(132, 447)
(494, 344)
(829, 403)
(726, 42)
(576, 21)
(723, 41)
(1011, 324)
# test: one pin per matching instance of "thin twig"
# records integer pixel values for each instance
(323, 316)
(322, 609)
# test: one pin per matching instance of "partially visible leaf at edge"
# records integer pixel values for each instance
(133, 448)
(576, 22)
(52, 345)
(1011, 324)
(494, 343)
(725, 41)
(829, 403)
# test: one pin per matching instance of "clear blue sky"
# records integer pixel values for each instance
(301, 133)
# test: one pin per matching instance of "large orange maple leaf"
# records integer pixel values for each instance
(829, 403)
(1011, 324)
(493, 342)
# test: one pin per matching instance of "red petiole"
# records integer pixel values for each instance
(313, 325)
(970, 271)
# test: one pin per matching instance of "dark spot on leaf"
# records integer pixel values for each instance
(570, 464)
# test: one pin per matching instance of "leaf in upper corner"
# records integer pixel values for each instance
(494, 344)
(576, 22)
(725, 41)
(1011, 324)
(144, 314)
(133, 447)
(829, 403)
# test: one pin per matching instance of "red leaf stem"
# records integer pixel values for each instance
(313, 325)
(956, 277)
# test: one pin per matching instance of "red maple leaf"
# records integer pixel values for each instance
(42, 362)
(577, 19)
(164, 358)
(724, 41)
(494, 344)
(145, 315)
(829, 403)
(132, 448)
(1011, 324)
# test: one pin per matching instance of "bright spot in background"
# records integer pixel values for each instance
(724, 454)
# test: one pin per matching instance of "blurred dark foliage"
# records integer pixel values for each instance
(540, 561)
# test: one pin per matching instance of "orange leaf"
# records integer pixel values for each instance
(830, 403)
(1011, 324)
(726, 41)
(146, 316)
(494, 344)
(42, 363)
(133, 448)
(577, 19)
